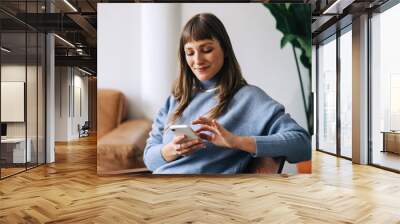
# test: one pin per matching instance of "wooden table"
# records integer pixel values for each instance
(391, 141)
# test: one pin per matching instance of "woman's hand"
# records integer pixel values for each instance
(219, 135)
(180, 146)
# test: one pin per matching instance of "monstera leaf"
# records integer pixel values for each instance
(294, 21)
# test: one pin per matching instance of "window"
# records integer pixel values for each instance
(385, 89)
(346, 93)
(327, 96)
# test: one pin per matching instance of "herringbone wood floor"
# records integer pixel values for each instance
(69, 191)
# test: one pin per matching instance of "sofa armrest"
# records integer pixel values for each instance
(111, 110)
(121, 150)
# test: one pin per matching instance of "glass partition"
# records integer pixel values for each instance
(13, 105)
(22, 77)
(327, 96)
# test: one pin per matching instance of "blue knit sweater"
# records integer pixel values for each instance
(251, 112)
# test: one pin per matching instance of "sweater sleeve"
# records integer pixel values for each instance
(152, 152)
(284, 137)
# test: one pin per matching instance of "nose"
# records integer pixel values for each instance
(198, 58)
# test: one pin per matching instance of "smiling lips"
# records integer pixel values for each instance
(202, 69)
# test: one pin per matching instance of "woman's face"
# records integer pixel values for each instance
(204, 57)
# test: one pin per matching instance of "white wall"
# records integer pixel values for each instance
(68, 82)
(81, 103)
(256, 42)
(118, 51)
(82, 82)
(61, 103)
(158, 55)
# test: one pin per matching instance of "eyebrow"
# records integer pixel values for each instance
(201, 45)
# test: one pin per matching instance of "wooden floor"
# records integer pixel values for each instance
(69, 191)
(10, 171)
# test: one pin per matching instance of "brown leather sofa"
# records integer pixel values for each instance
(120, 142)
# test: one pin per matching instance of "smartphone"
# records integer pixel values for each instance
(184, 130)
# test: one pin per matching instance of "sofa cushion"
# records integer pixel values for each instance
(111, 110)
(121, 150)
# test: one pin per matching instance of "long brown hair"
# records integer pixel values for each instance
(199, 27)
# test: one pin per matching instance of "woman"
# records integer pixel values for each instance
(234, 120)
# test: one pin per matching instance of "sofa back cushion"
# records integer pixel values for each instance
(111, 110)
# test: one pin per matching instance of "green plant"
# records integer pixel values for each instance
(294, 21)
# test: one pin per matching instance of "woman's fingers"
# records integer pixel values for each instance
(178, 139)
(202, 120)
(205, 136)
(190, 150)
(192, 147)
(189, 144)
(206, 121)
(206, 128)
(216, 124)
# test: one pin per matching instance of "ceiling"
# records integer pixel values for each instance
(76, 22)
(77, 25)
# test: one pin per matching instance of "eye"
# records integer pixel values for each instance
(207, 49)
(189, 53)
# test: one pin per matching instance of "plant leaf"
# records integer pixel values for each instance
(287, 38)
